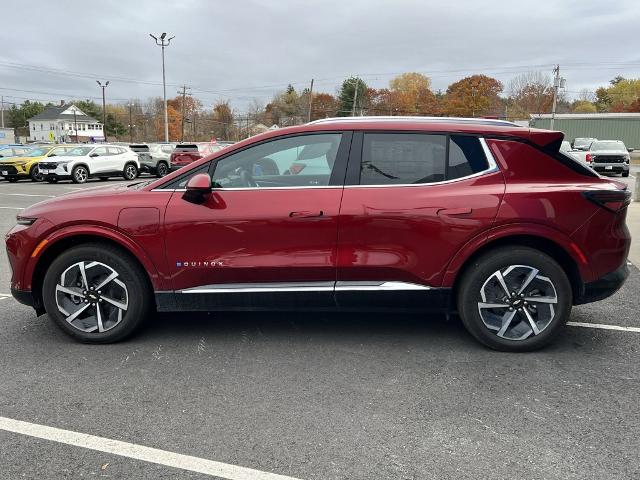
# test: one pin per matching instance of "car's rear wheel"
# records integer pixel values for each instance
(35, 174)
(80, 174)
(162, 169)
(96, 293)
(130, 171)
(514, 299)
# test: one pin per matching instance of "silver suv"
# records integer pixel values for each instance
(154, 157)
(609, 156)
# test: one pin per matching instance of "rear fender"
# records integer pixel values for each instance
(516, 230)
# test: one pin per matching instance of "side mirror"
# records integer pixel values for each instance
(198, 188)
(94, 155)
(629, 150)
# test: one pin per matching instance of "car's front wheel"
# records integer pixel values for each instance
(514, 299)
(80, 174)
(162, 169)
(130, 172)
(96, 293)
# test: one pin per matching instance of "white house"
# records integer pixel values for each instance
(58, 124)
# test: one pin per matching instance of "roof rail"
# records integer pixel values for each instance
(473, 121)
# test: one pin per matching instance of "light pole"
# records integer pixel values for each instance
(162, 43)
(131, 125)
(104, 109)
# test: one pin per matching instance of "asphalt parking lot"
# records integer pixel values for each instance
(320, 396)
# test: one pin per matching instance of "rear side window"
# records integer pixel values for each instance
(402, 158)
(466, 157)
(413, 158)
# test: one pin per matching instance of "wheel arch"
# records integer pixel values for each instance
(542, 243)
(63, 242)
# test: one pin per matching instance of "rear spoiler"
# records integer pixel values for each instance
(547, 140)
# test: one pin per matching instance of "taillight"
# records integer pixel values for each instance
(296, 168)
(588, 158)
(612, 200)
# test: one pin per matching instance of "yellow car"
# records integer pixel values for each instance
(15, 168)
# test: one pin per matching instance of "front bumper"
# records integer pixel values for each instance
(12, 171)
(603, 287)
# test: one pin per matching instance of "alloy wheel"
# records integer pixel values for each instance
(517, 302)
(81, 174)
(91, 297)
(36, 175)
(161, 169)
(130, 172)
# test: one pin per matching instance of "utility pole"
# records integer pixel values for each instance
(131, 125)
(162, 43)
(310, 101)
(2, 109)
(104, 108)
(355, 100)
(183, 92)
(75, 123)
(558, 83)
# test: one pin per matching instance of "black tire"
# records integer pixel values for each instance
(80, 174)
(130, 171)
(52, 180)
(162, 168)
(130, 273)
(477, 278)
(104, 179)
(35, 174)
(625, 174)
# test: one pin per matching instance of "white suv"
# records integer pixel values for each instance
(84, 162)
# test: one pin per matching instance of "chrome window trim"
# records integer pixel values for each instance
(491, 162)
(339, 286)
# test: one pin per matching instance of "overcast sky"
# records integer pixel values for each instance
(240, 50)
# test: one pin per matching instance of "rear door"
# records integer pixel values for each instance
(412, 200)
(99, 161)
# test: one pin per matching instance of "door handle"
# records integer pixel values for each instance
(451, 212)
(305, 214)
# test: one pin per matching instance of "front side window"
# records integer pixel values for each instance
(417, 158)
(100, 152)
(299, 161)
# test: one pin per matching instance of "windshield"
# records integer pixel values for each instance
(38, 152)
(613, 145)
(79, 151)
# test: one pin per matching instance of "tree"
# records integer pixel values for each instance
(324, 105)
(410, 94)
(222, 121)
(530, 93)
(473, 96)
(19, 116)
(353, 89)
(584, 106)
(89, 107)
(624, 95)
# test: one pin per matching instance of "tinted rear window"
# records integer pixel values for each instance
(139, 148)
(186, 148)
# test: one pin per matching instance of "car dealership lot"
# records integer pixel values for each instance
(322, 395)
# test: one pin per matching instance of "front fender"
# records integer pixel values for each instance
(514, 230)
(97, 232)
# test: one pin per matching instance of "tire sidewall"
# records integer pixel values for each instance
(137, 288)
(484, 267)
(126, 167)
(162, 165)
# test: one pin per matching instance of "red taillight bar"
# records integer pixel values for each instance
(612, 200)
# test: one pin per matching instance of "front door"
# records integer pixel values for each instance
(266, 236)
(412, 200)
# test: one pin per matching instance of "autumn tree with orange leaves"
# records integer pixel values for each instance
(474, 96)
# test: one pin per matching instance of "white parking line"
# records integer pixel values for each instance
(604, 327)
(138, 452)
(13, 208)
(27, 195)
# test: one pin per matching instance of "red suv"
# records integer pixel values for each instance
(479, 217)
(186, 153)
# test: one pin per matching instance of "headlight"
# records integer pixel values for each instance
(25, 220)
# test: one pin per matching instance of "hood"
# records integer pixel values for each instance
(63, 158)
(70, 200)
(12, 160)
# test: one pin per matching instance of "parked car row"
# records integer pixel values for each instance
(80, 162)
(603, 156)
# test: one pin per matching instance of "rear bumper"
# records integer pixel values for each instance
(610, 167)
(603, 287)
